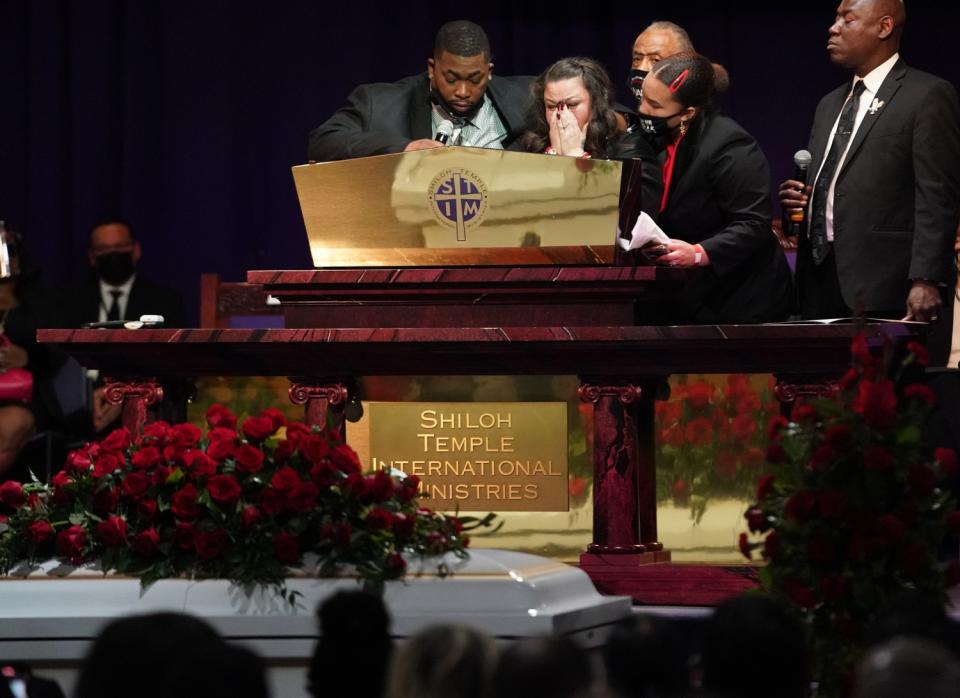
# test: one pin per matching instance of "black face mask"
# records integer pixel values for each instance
(635, 82)
(655, 126)
(459, 118)
(115, 267)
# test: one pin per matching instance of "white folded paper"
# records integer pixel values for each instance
(644, 231)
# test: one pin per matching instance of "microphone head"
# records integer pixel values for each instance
(802, 158)
(445, 129)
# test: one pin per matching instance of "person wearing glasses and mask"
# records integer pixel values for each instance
(715, 200)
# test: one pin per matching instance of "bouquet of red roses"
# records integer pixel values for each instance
(854, 508)
(240, 505)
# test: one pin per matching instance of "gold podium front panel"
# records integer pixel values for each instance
(455, 205)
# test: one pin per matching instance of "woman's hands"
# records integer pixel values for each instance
(13, 356)
(566, 136)
(683, 254)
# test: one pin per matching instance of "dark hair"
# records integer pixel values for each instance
(114, 220)
(461, 38)
(603, 122)
(542, 666)
(698, 79)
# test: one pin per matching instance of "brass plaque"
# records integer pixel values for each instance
(455, 205)
(476, 456)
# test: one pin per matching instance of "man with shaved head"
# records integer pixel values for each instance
(882, 197)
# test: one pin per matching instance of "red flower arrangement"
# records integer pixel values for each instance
(175, 502)
(853, 507)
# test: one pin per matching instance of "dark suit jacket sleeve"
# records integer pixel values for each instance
(936, 166)
(347, 134)
(740, 176)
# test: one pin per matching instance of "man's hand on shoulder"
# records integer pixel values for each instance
(422, 144)
(924, 302)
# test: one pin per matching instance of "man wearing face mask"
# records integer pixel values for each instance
(458, 86)
(658, 41)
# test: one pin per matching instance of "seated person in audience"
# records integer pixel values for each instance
(443, 661)
(24, 308)
(543, 667)
(907, 666)
(116, 291)
(715, 204)
(458, 87)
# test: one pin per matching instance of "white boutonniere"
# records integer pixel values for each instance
(875, 106)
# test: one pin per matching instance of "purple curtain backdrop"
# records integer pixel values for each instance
(184, 116)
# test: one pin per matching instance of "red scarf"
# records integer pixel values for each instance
(668, 169)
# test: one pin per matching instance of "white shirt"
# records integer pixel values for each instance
(871, 85)
(484, 130)
(106, 298)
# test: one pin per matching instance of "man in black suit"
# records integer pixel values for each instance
(402, 116)
(116, 292)
(884, 191)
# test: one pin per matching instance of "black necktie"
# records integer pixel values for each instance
(819, 246)
(113, 312)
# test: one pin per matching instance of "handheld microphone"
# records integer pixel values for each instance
(801, 161)
(444, 131)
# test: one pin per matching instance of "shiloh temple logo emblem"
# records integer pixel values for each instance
(458, 198)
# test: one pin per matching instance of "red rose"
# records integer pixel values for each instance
(839, 437)
(200, 464)
(877, 402)
(920, 352)
(11, 494)
(680, 491)
(303, 497)
(833, 504)
(315, 447)
(771, 545)
(378, 518)
(224, 490)
(947, 458)
(409, 486)
(297, 432)
(146, 543)
(324, 474)
(953, 523)
(272, 501)
(757, 520)
(821, 549)
(345, 458)
(112, 531)
(146, 458)
(105, 464)
(834, 588)
(353, 485)
(378, 487)
(176, 454)
(77, 462)
(404, 525)
(286, 548)
(258, 429)
(135, 484)
(117, 440)
(877, 458)
(700, 394)
(744, 544)
(922, 479)
(744, 426)
(396, 565)
(764, 487)
(186, 435)
(249, 459)
(861, 350)
(210, 544)
(849, 379)
(220, 449)
(920, 393)
(776, 454)
(275, 416)
(800, 505)
(184, 535)
(70, 543)
(105, 501)
(672, 436)
(160, 474)
(159, 431)
(219, 416)
(803, 412)
(146, 511)
(285, 479)
(699, 431)
(283, 450)
(184, 503)
(800, 593)
(39, 532)
(776, 424)
(250, 516)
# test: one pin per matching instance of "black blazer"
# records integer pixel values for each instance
(720, 197)
(897, 196)
(82, 303)
(383, 118)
